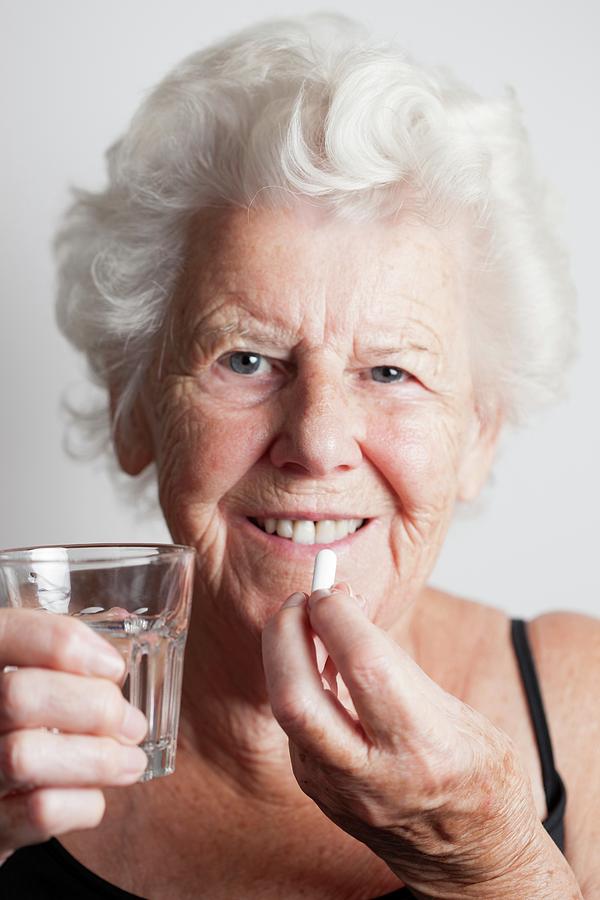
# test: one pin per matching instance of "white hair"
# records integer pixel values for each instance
(315, 108)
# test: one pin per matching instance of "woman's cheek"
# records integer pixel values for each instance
(416, 451)
(204, 450)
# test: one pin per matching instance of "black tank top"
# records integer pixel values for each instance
(48, 872)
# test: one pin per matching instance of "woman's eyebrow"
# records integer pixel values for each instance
(406, 334)
(253, 334)
(222, 330)
(253, 330)
(400, 346)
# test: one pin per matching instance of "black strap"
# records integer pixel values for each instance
(554, 788)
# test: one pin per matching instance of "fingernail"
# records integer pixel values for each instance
(296, 599)
(318, 595)
(134, 725)
(342, 587)
(133, 761)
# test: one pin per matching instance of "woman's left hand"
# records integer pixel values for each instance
(427, 782)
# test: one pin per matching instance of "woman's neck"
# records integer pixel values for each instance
(227, 728)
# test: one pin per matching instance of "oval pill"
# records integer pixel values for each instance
(324, 570)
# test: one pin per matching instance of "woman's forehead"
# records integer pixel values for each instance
(301, 266)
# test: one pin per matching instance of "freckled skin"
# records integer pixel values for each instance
(313, 428)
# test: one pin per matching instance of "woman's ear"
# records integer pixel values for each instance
(478, 454)
(132, 438)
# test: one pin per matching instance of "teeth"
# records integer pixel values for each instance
(325, 531)
(285, 528)
(303, 531)
(341, 529)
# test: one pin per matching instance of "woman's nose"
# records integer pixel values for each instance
(322, 426)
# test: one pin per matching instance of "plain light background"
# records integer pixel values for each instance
(72, 75)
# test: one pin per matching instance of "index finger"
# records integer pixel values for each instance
(380, 675)
(30, 637)
(311, 716)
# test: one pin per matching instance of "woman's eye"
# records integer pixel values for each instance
(244, 362)
(389, 374)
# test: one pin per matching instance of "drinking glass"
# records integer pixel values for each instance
(138, 597)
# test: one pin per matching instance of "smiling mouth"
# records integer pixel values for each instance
(305, 531)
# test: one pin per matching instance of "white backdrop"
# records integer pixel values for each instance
(72, 75)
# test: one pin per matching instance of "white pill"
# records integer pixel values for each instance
(324, 571)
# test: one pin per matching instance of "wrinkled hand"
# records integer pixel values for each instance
(66, 730)
(428, 783)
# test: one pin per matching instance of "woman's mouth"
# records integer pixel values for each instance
(305, 531)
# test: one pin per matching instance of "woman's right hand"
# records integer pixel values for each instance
(67, 678)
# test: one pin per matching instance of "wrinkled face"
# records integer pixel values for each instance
(313, 369)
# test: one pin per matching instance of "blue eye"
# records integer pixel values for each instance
(390, 374)
(244, 362)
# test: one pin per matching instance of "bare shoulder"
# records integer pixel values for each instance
(566, 652)
(566, 648)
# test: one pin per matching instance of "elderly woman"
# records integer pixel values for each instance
(320, 281)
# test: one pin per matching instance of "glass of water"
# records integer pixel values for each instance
(138, 597)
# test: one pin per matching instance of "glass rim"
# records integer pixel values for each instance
(8, 555)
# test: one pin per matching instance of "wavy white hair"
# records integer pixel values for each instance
(315, 108)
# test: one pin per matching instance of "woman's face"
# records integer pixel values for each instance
(314, 369)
